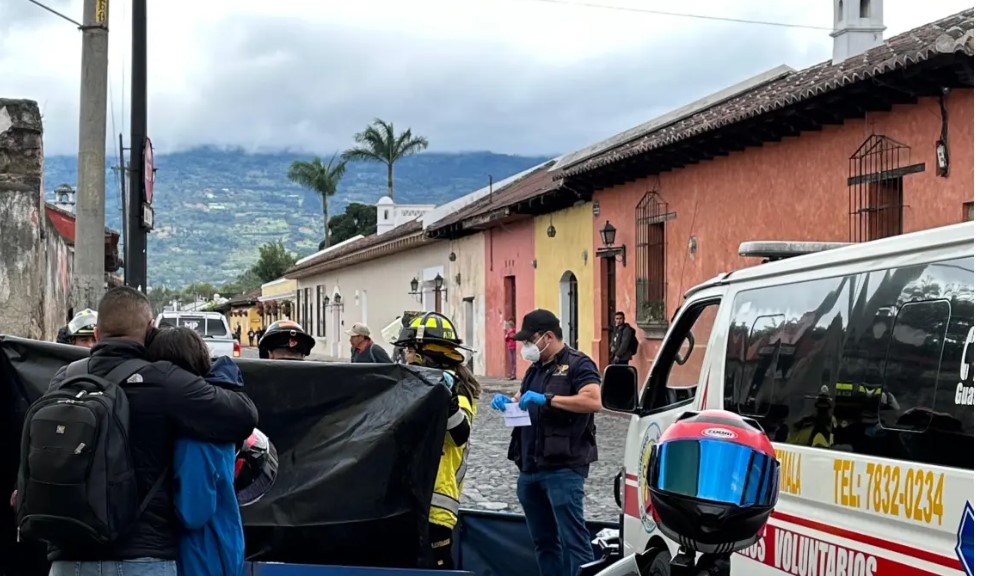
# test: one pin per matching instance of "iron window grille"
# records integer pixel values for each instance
(651, 262)
(876, 188)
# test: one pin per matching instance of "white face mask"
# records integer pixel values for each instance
(530, 351)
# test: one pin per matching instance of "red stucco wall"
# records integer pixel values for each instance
(795, 189)
(508, 251)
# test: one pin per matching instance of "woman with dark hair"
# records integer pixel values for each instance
(205, 494)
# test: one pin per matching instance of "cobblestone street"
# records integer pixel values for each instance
(491, 477)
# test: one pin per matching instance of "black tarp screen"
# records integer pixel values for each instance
(358, 444)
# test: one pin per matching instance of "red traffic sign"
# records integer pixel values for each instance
(148, 170)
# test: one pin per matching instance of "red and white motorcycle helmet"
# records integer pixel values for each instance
(713, 481)
(256, 465)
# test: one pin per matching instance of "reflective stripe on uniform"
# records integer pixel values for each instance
(455, 420)
(445, 502)
(462, 470)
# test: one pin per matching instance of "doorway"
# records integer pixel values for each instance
(509, 311)
(569, 308)
(608, 295)
(509, 305)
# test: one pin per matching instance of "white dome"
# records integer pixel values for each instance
(385, 200)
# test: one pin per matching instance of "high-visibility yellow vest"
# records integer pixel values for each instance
(450, 476)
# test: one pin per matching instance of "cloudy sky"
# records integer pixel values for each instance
(512, 76)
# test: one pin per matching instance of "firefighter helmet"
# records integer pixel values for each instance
(83, 324)
(285, 334)
(434, 337)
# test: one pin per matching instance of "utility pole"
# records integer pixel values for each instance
(123, 172)
(136, 225)
(90, 207)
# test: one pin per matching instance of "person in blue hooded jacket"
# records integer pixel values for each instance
(204, 495)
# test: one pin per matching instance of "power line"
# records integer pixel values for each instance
(56, 13)
(682, 15)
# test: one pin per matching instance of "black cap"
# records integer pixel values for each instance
(538, 322)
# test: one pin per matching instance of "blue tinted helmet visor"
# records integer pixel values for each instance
(717, 471)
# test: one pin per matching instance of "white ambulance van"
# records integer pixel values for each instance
(858, 361)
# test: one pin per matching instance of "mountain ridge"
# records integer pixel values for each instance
(200, 191)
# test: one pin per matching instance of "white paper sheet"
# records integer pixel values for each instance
(515, 416)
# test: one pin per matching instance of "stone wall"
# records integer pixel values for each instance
(58, 288)
(35, 264)
(22, 260)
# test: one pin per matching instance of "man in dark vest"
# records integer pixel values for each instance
(561, 391)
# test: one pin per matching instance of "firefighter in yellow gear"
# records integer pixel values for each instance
(431, 340)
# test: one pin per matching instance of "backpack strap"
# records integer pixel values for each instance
(77, 368)
(158, 483)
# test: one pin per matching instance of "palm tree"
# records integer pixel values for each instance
(322, 179)
(379, 143)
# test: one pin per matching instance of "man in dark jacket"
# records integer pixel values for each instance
(363, 348)
(623, 341)
(165, 402)
(561, 392)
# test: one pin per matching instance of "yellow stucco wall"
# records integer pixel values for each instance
(251, 321)
(280, 286)
(565, 253)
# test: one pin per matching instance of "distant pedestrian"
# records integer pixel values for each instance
(363, 349)
(252, 336)
(561, 391)
(623, 341)
(511, 346)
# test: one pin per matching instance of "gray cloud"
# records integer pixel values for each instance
(279, 82)
(306, 87)
(21, 14)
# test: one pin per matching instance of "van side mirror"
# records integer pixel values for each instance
(619, 389)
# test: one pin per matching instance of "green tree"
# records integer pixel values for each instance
(321, 178)
(379, 143)
(273, 261)
(246, 282)
(357, 219)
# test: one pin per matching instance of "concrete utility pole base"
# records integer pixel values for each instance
(90, 207)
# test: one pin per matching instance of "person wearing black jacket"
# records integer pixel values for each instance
(623, 342)
(165, 403)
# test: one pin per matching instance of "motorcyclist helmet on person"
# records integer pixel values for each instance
(81, 329)
(285, 340)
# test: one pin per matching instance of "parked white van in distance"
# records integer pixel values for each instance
(212, 326)
(858, 361)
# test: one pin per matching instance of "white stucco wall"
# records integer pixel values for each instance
(467, 317)
(374, 292)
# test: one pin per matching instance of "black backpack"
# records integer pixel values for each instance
(633, 345)
(77, 485)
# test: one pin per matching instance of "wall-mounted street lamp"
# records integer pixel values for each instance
(608, 235)
(414, 289)
(438, 287)
(334, 303)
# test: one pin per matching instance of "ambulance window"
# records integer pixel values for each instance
(911, 371)
(681, 360)
(754, 390)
